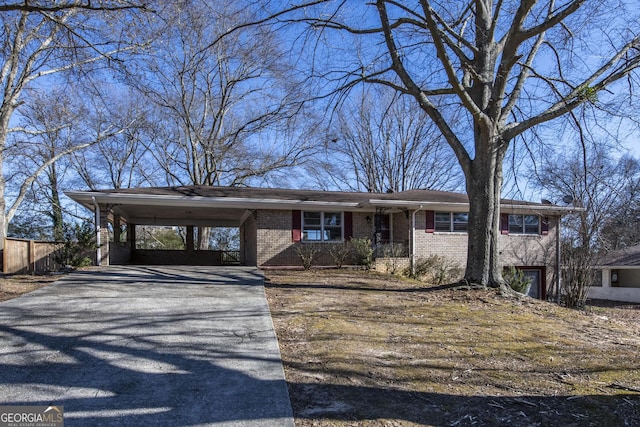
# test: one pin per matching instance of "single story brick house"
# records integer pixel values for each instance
(619, 276)
(273, 222)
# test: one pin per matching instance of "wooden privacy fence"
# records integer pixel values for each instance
(29, 256)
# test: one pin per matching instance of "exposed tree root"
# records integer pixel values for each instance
(504, 289)
(466, 285)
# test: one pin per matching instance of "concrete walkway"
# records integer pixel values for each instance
(166, 346)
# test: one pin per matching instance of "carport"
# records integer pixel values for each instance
(116, 210)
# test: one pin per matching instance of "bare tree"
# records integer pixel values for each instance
(216, 94)
(622, 227)
(53, 126)
(221, 98)
(486, 72)
(595, 181)
(121, 160)
(47, 130)
(41, 40)
(387, 144)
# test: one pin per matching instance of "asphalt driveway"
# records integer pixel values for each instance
(174, 346)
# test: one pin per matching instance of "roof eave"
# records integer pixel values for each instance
(86, 198)
(545, 209)
(89, 198)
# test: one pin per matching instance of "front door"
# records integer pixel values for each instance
(383, 229)
(536, 278)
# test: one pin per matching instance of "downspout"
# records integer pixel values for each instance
(98, 243)
(413, 240)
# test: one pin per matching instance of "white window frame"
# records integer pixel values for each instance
(451, 222)
(523, 225)
(322, 230)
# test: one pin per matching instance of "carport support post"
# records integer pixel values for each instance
(131, 236)
(190, 239)
(102, 234)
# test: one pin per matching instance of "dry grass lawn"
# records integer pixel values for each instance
(364, 349)
(12, 286)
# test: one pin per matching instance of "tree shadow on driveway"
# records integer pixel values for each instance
(177, 355)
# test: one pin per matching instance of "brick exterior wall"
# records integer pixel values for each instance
(362, 228)
(275, 245)
(275, 240)
(518, 250)
(515, 249)
(104, 236)
(248, 242)
(274, 237)
(401, 226)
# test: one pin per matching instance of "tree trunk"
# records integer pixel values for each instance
(56, 207)
(484, 185)
(204, 233)
(4, 125)
(3, 216)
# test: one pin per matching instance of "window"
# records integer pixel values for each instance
(460, 221)
(322, 226)
(443, 221)
(524, 224)
(451, 221)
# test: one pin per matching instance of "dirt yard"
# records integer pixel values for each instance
(364, 349)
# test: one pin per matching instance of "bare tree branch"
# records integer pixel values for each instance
(59, 6)
(608, 73)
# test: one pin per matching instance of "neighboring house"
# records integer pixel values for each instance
(273, 222)
(620, 276)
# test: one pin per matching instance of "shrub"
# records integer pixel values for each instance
(393, 254)
(437, 270)
(516, 280)
(341, 253)
(393, 250)
(78, 239)
(308, 253)
(577, 274)
(363, 252)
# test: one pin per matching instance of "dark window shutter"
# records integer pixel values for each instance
(348, 225)
(431, 221)
(544, 226)
(296, 225)
(504, 223)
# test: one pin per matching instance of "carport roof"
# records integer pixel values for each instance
(625, 257)
(227, 205)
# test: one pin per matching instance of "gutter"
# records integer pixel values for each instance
(464, 206)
